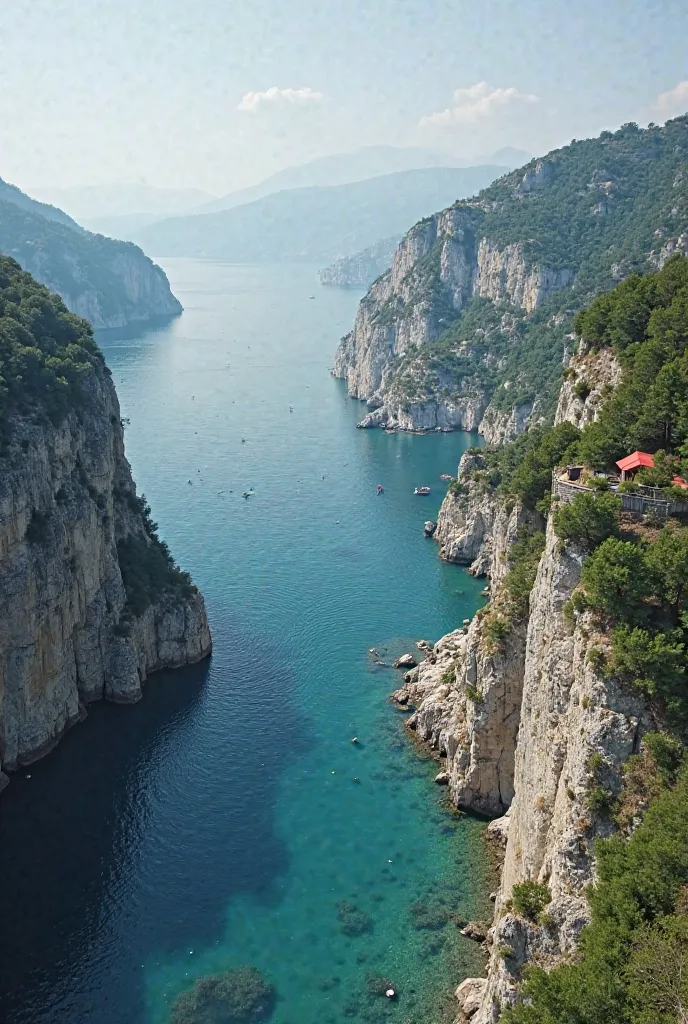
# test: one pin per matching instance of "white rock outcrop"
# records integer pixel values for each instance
(403, 308)
(591, 377)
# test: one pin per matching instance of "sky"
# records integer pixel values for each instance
(218, 94)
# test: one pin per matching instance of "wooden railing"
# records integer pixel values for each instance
(636, 504)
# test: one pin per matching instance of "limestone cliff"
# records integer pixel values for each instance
(68, 633)
(438, 268)
(469, 326)
(109, 283)
(516, 718)
(467, 693)
(361, 269)
(568, 712)
(475, 527)
(590, 378)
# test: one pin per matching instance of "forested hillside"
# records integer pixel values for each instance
(485, 306)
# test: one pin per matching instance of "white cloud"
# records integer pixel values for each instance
(675, 101)
(476, 103)
(253, 101)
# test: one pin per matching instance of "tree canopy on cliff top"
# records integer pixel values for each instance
(45, 351)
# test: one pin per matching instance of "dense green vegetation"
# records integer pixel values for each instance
(645, 320)
(148, 569)
(77, 263)
(633, 960)
(523, 469)
(602, 207)
(601, 203)
(45, 352)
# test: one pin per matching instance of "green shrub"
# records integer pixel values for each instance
(616, 579)
(150, 573)
(588, 520)
(524, 558)
(581, 389)
(496, 630)
(457, 489)
(653, 664)
(530, 899)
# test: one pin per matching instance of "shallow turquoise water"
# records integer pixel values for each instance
(227, 815)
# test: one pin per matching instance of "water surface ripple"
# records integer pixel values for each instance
(219, 822)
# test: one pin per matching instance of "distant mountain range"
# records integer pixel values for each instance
(120, 211)
(109, 283)
(317, 223)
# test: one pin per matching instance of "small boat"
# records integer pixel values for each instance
(421, 490)
(248, 494)
(446, 476)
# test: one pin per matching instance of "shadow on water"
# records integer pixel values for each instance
(135, 804)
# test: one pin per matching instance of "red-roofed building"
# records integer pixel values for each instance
(632, 463)
(636, 460)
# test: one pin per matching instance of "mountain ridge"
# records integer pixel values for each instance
(316, 223)
(108, 282)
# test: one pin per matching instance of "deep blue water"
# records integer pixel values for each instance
(222, 820)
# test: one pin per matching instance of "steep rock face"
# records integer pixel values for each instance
(591, 377)
(499, 426)
(567, 713)
(467, 696)
(66, 499)
(476, 528)
(423, 416)
(467, 693)
(439, 266)
(109, 283)
(142, 290)
(502, 274)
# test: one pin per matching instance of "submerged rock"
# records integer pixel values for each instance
(430, 916)
(239, 996)
(354, 921)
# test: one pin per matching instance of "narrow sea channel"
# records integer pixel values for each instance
(228, 819)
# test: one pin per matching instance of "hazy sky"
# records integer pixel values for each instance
(216, 94)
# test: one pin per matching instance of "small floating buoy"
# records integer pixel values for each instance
(333, 773)
(27, 776)
(390, 993)
(356, 778)
(355, 739)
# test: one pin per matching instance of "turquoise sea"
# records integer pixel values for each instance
(228, 818)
